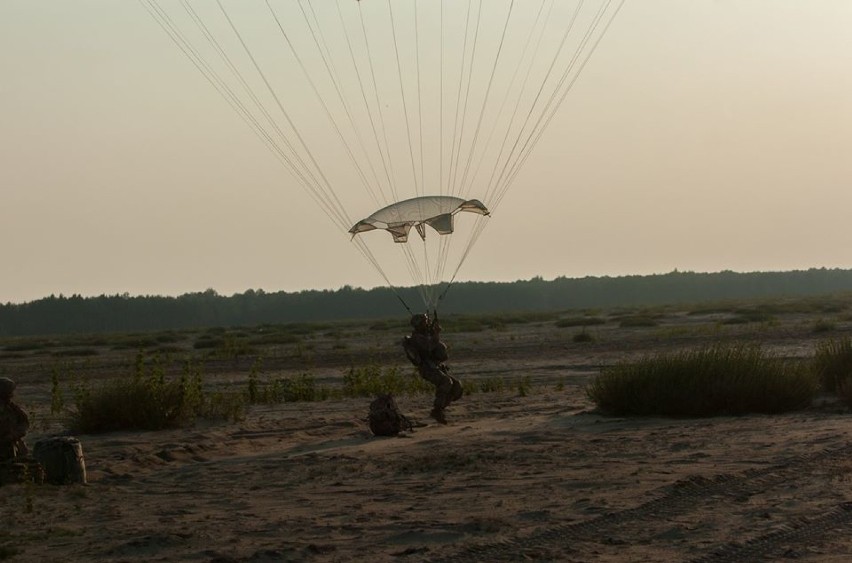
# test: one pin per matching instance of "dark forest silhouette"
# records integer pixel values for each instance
(123, 313)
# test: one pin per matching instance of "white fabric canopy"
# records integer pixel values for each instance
(435, 211)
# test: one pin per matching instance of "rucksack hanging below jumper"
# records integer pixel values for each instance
(385, 417)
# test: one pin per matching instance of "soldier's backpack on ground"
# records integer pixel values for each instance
(386, 418)
(62, 459)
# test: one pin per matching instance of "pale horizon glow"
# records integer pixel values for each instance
(702, 136)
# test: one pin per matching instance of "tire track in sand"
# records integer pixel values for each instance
(690, 495)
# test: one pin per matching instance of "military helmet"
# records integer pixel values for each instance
(419, 320)
(7, 386)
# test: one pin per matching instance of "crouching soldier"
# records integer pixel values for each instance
(14, 424)
(426, 351)
(15, 465)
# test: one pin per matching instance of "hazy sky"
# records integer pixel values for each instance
(703, 135)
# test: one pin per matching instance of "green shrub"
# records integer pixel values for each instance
(524, 386)
(703, 382)
(28, 345)
(131, 404)
(134, 342)
(57, 399)
(579, 321)
(833, 363)
(222, 405)
(267, 338)
(637, 321)
(12, 356)
(757, 315)
(823, 325)
(490, 385)
(371, 380)
(207, 342)
(75, 353)
(149, 402)
(301, 387)
(583, 337)
(169, 338)
(228, 347)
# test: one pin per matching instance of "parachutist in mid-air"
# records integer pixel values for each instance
(428, 354)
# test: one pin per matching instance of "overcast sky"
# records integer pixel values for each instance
(704, 135)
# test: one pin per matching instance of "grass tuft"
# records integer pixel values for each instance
(708, 381)
(833, 363)
(150, 402)
(583, 337)
(372, 380)
(571, 322)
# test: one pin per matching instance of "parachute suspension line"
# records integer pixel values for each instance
(537, 130)
(311, 185)
(365, 251)
(404, 104)
(366, 103)
(328, 61)
(565, 91)
(428, 282)
(332, 74)
(331, 192)
(461, 162)
(444, 254)
(442, 245)
(415, 270)
(492, 190)
(425, 283)
(411, 263)
(478, 227)
(453, 190)
(338, 83)
(441, 104)
(167, 25)
(472, 151)
(258, 104)
(394, 194)
(546, 116)
(556, 100)
(519, 96)
(419, 93)
(458, 100)
(480, 223)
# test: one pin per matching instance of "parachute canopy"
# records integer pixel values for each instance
(412, 107)
(435, 211)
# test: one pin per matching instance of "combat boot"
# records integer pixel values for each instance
(438, 415)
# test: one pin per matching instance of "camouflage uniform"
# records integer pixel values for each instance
(14, 424)
(426, 351)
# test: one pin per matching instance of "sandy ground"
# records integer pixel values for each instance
(539, 477)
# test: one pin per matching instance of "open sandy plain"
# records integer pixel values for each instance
(538, 476)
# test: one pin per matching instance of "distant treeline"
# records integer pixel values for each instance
(124, 313)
